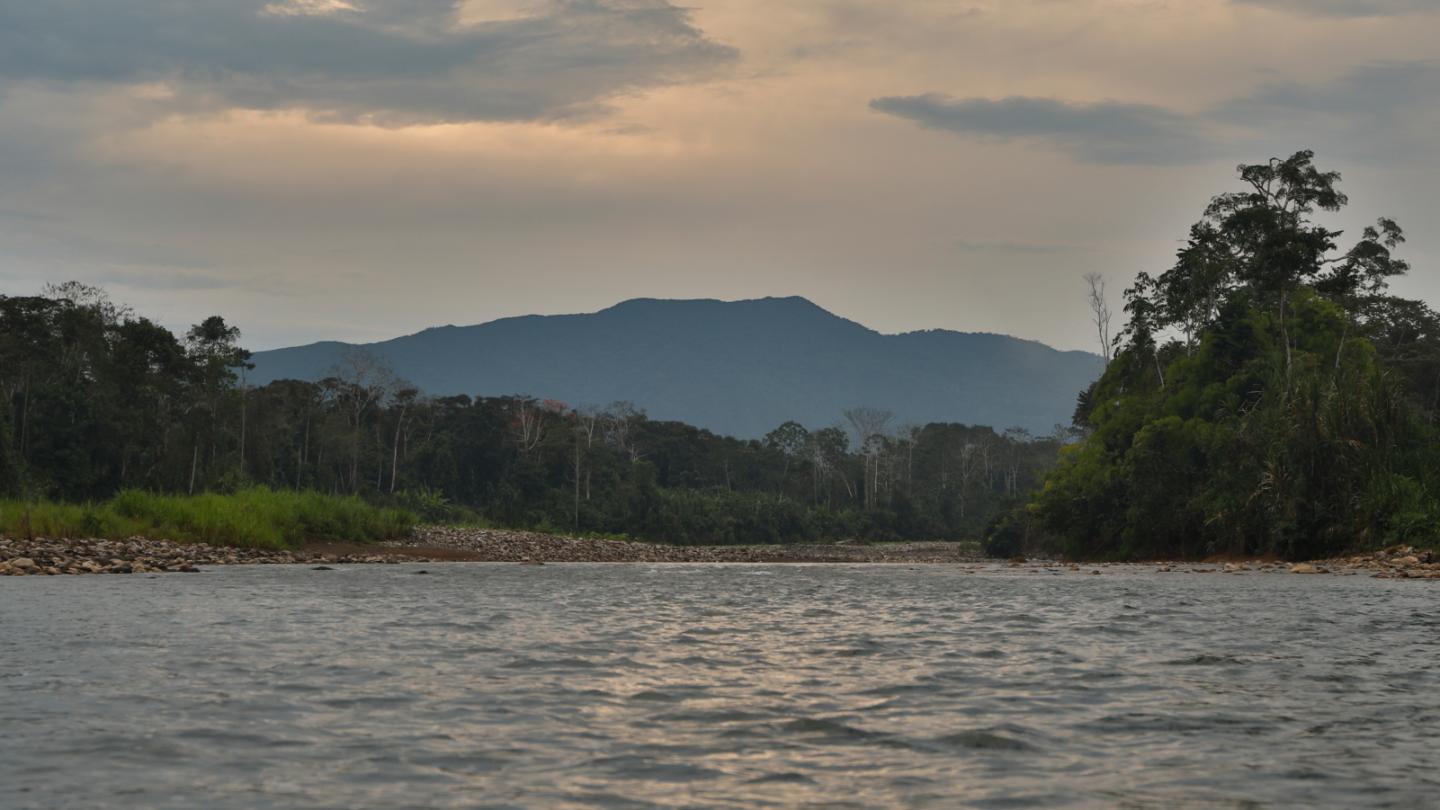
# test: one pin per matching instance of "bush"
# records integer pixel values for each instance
(1004, 537)
(431, 506)
(255, 517)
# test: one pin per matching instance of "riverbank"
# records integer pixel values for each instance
(492, 545)
(40, 556)
(52, 556)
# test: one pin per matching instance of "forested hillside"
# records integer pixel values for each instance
(1269, 394)
(95, 399)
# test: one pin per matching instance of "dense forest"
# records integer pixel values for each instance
(95, 399)
(1268, 395)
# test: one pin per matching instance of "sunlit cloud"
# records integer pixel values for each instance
(307, 8)
(1349, 8)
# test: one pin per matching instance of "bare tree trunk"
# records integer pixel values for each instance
(194, 462)
(25, 420)
(243, 401)
(1285, 336)
(395, 450)
(1335, 375)
(910, 468)
(304, 455)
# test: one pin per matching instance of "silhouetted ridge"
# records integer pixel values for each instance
(736, 367)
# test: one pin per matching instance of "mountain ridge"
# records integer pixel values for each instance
(737, 367)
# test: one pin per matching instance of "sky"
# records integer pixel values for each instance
(362, 169)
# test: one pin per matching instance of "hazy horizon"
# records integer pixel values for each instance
(360, 169)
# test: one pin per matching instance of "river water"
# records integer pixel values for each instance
(717, 686)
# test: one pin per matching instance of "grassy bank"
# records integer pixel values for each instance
(253, 518)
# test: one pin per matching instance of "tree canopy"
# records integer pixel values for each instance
(1267, 395)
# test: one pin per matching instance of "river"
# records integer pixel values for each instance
(717, 686)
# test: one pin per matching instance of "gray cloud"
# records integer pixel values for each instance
(1107, 132)
(1374, 94)
(1348, 8)
(1378, 111)
(386, 61)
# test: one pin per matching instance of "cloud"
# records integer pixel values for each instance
(391, 62)
(1348, 8)
(1382, 112)
(1105, 132)
(1373, 94)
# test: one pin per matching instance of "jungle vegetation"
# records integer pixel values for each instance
(1269, 394)
(96, 400)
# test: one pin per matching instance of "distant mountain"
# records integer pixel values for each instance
(739, 368)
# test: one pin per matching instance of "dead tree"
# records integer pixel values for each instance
(871, 426)
(362, 380)
(1099, 312)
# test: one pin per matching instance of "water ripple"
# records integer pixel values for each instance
(689, 686)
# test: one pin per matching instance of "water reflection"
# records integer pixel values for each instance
(716, 686)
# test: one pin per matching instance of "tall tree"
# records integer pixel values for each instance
(1255, 404)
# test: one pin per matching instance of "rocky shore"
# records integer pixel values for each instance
(492, 545)
(1402, 562)
(54, 556)
(42, 556)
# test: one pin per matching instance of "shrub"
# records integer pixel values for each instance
(253, 517)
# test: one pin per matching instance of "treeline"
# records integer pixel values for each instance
(95, 399)
(1269, 395)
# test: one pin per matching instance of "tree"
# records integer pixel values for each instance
(214, 346)
(1268, 395)
(870, 426)
(827, 449)
(358, 383)
(1099, 312)
(618, 424)
(790, 441)
(403, 401)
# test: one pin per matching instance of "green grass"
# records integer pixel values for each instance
(256, 517)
